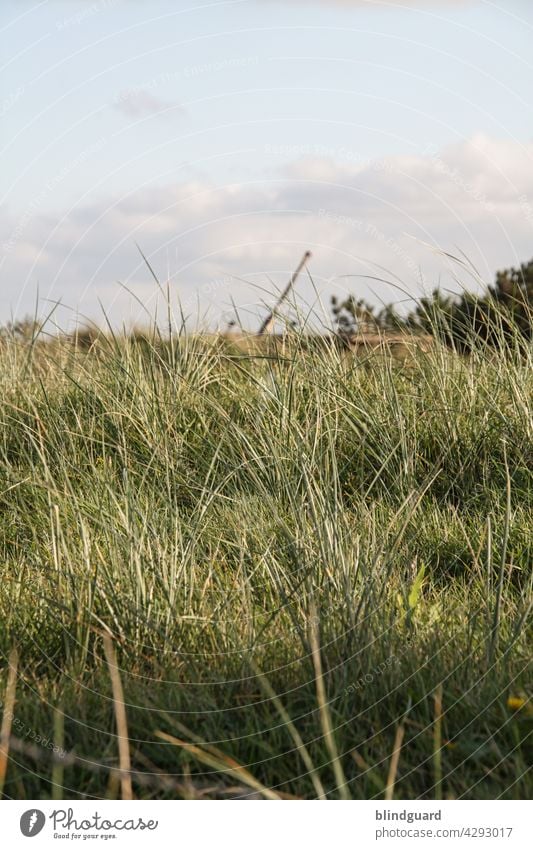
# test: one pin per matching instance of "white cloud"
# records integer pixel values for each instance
(138, 103)
(475, 197)
(385, 3)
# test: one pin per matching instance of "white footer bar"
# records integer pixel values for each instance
(266, 825)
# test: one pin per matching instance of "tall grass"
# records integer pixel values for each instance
(292, 549)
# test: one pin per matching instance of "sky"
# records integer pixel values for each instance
(223, 139)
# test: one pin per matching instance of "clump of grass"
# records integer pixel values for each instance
(288, 545)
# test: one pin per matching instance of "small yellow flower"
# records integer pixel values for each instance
(516, 703)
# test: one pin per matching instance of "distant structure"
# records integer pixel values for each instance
(268, 323)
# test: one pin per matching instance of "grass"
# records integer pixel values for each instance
(289, 572)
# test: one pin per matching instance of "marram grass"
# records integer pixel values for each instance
(312, 568)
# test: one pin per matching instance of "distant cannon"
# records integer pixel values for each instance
(268, 323)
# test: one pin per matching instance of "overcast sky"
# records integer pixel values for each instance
(227, 138)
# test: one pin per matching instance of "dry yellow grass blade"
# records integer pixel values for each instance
(295, 734)
(120, 717)
(7, 716)
(58, 765)
(395, 759)
(325, 718)
(368, 771)
(218, 760)
(437, 742)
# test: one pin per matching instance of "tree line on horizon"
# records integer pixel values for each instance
(504, 311)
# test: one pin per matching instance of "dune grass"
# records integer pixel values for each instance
(312, 568)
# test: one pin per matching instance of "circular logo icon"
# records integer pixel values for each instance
(32, 822)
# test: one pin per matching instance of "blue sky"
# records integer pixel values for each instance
(228, 137)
